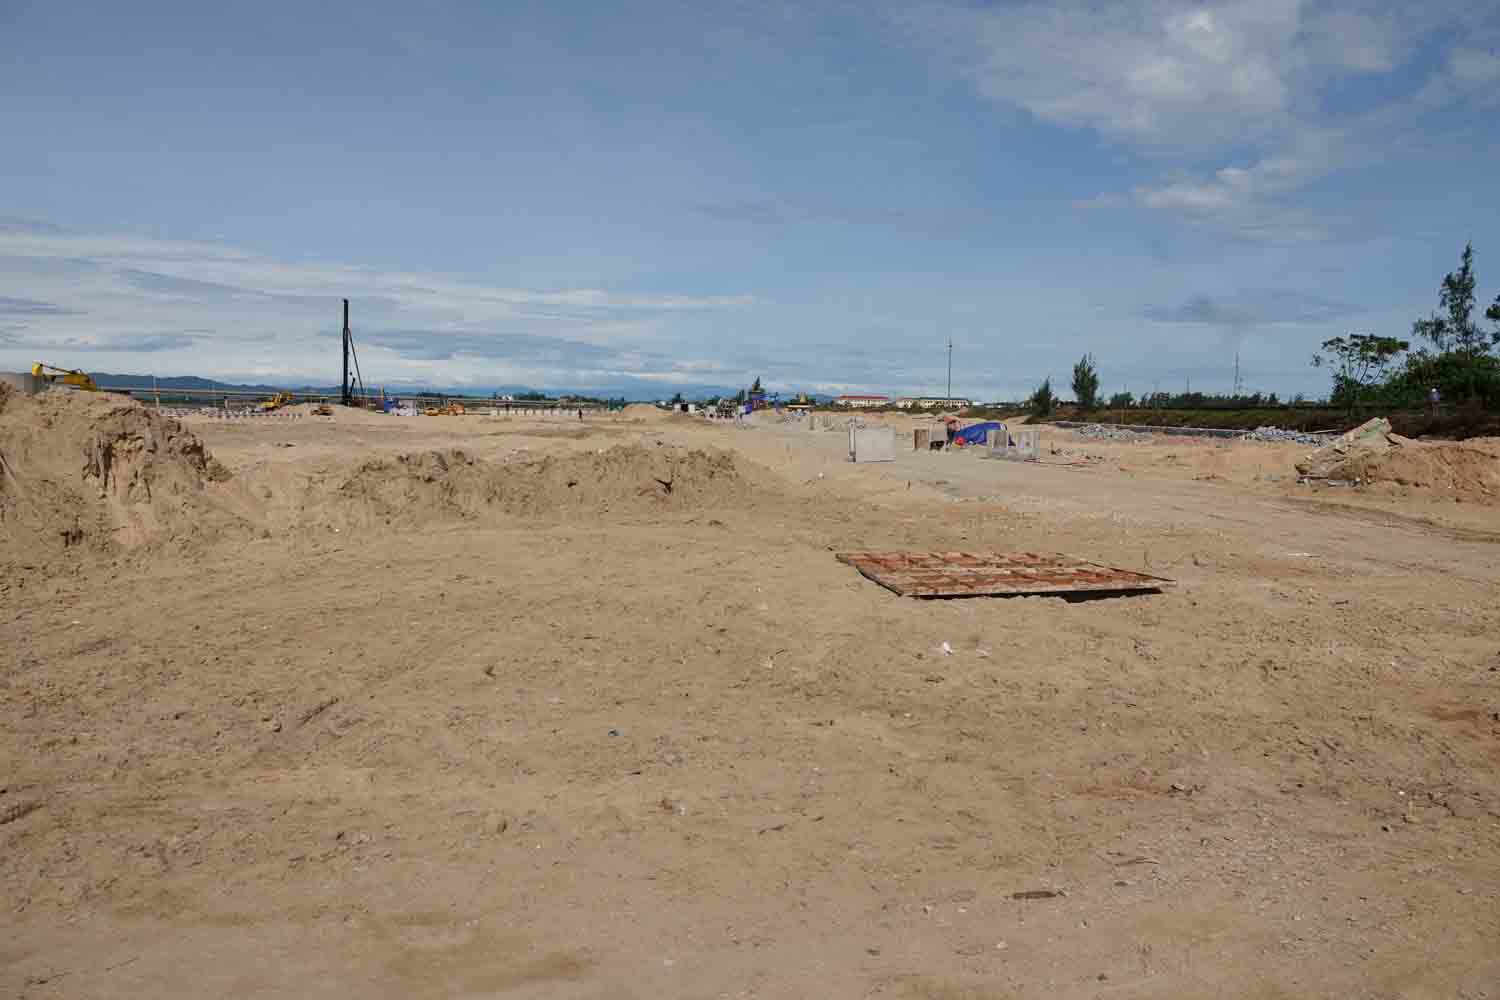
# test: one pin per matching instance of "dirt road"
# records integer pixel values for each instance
(611, 750)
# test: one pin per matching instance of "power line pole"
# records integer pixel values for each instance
(345, 386)
(1238, 385)
(950, 370)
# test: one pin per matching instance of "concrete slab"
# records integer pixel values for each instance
(871, 444)
(1017, 444)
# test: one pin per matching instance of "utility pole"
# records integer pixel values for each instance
(345, 389)
(1237, 383)
(949, 397)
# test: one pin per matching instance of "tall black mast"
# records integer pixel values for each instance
(346, 398)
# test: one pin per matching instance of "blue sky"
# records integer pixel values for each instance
(819, 194)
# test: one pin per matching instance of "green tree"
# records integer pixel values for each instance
(1463, 358)
(756, 387)
(1359, 363)
(1456, 331)
(1121, 401)
(1086, 383)
(1042, 401)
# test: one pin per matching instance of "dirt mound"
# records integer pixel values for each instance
(1371, 454)
(424, 487)
(645, 412)
(1455, 468)
(306, 410)
(100, 471)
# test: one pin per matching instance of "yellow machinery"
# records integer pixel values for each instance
(276, 402)
(67, 376)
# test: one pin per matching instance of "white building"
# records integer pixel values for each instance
(907, 402)
(862, 401)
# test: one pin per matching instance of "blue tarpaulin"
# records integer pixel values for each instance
(978, 433)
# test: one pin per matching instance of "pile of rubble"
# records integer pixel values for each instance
(1100, 432)
(1342, 460)
(1372, 454)
(1284, 436)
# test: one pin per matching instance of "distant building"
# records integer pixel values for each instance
(945, 402)
(862, 401)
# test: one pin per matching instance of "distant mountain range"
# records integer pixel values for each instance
(634, 390)
(108, 380)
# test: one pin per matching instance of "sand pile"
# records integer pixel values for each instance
(1372, 454)
(98, 471)
(424, 487)
(1454, 468)
(646, 413)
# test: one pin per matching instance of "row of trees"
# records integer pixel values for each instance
(1458, 360)
(1086, 394)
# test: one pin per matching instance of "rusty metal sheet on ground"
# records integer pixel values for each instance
(970, 574)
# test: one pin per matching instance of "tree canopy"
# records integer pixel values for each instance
(1043, 402)
(1359, 363)
(1086, 383)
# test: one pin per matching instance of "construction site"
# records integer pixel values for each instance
(323, 701)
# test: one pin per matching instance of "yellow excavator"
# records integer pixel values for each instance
(277, 401)
(65, 376)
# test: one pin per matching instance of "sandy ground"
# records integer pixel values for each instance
(599, 753)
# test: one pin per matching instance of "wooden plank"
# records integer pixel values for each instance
(970, 574)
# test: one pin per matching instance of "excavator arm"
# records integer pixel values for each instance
(67, 376)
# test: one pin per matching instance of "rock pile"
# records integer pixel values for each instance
(1282, 435)
(1338, 459)
(1099, 432)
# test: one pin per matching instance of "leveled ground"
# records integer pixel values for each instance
(600, 747)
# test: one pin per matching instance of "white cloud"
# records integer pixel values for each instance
(1237, 197)
(1154, 71)
(1474, 66)
(1469, 74)
(1182, 79)
(215, 310)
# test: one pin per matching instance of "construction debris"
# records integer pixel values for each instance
(1371, 454)
(968, 574)
(1369, 438)
(1281, 435)
(1101, 432)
